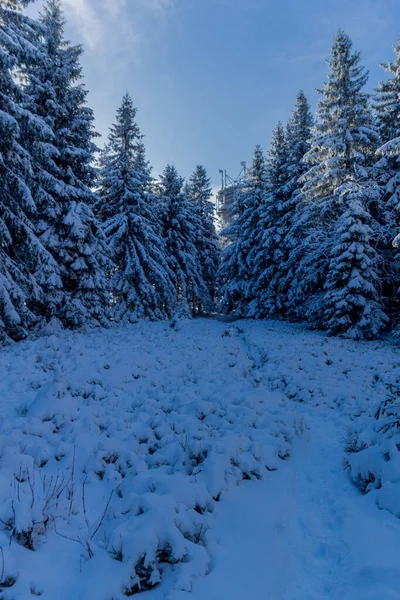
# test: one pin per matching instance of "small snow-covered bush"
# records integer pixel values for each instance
(373, 450)
(31, 503)
(8, 571)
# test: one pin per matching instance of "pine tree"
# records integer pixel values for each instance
(345, 136)
(180, 225)
(387, 111)
(229, 279)
(352, 300)
(236, 272)
(298, 134)
(199, 191)
(267, 253)
(342, 151)
(387, 99)
(21, 253)
(141, 281)
(64, 178)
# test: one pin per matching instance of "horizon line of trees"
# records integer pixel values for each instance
(83, 242)
(315, 224)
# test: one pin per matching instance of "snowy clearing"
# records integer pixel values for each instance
(205, 460)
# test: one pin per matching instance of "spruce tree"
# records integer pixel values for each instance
(267, 251)
(141, 281)
(180, 225)
(387, 112)
(22, 255)
(236, 272)
(65, 176)
(199, 192)
(342, 149)
(387, 99)
(298, 133)
(352, 300)
(345, 136)
(229, 279)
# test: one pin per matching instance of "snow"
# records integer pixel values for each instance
(311, 537)
(208, 456)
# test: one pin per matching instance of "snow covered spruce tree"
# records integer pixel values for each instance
(141, 281)
(387, 101)
(352, 302)
(198, 191)
(387, 112)
(267, 252)
(236, 275)
(342, 151)
(65, 175)
(181, 223)
(21, 253)
(298, 133)
(229, 279)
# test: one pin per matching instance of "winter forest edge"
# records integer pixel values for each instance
(89, 237)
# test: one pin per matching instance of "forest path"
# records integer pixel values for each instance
(305, 532)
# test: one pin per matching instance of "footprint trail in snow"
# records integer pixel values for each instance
(306, 533)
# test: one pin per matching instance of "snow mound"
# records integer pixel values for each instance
(374, 448)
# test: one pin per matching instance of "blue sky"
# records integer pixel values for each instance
(211, 78)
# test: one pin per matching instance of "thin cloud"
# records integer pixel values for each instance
(157, 5)
(83, 16)
(103, 22)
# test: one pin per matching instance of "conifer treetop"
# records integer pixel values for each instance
(344, 138)
(387, 99)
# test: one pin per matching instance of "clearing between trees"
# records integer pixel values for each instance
(199, 459)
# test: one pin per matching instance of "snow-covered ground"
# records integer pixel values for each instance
(209, 456)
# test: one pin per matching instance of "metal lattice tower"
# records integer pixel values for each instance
(226, 194)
